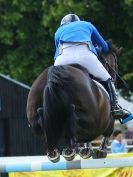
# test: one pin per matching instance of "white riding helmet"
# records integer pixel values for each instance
(69, 18)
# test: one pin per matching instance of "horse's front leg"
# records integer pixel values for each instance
(102, 151)
(104, 143)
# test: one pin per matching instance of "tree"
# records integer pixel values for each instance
(27, 36)
(27, 32)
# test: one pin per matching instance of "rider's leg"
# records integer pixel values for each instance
(117, 110)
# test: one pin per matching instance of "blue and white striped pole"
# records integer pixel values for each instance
(41, 163)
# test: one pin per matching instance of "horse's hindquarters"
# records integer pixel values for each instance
(93, 115)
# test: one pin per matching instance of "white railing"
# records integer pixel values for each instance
(41, 163)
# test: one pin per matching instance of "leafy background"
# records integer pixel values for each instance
(27, 33)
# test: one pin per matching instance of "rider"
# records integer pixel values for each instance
(74, 41)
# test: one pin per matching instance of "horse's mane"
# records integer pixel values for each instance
(109, 60)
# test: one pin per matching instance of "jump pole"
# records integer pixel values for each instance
(41, 163)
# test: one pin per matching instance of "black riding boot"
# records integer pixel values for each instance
(116, 110)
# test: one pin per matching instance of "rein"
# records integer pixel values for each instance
(115, 70)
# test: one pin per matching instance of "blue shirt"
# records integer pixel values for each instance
(80, 31)
(117, 147)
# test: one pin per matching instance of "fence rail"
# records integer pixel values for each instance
(41, 163)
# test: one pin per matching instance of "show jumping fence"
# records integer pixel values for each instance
(41, 163)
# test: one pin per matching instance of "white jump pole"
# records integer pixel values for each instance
(41, 163)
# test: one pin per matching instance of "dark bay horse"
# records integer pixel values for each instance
(64, 101)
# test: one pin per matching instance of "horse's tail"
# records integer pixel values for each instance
(56, 101)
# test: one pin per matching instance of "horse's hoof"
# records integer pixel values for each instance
(98, 153)
(84, 153)
(53, 156)
(69, 154)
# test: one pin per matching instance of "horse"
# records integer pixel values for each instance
(65, 102)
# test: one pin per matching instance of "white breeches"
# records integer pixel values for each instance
(81, 54)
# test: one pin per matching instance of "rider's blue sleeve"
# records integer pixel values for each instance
(57, 48)
(98, 39)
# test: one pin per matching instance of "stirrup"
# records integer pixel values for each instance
(126, 118)
(117, 111)
(122, 115)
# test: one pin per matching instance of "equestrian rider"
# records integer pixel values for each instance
(74, 41)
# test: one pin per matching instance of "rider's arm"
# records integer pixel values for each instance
(98, 39)
(56, 46)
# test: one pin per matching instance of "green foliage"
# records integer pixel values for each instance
(27, 32)
(127, 92)
(24, 41)
(27, 35)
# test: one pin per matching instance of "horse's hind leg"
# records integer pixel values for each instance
(102, 151)
(51, 140)
(36, 126)
(53, 155)
(84, 150)
(69, 153)
(54, 127)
